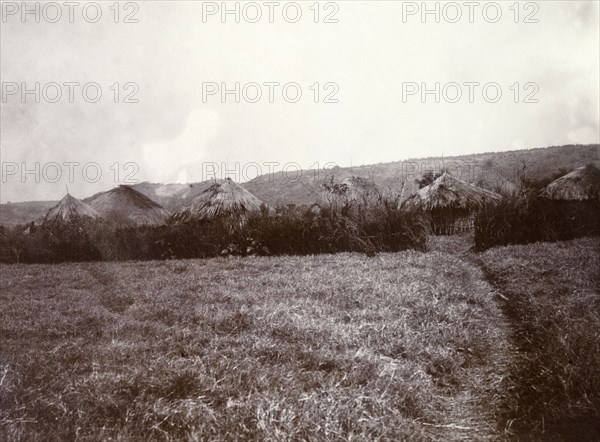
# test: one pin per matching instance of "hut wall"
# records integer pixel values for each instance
(450, 221)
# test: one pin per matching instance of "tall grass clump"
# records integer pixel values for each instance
(384, 228)
(529, 218)
(50, 243)
(284, 231)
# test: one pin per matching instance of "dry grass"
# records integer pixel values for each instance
(404, 346)
(552, 299)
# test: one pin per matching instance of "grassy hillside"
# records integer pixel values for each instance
(399, 177)
(395, 178)
(401, 346)
(552, 300)
(24, 212)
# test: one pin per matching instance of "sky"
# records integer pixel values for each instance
(523, 79)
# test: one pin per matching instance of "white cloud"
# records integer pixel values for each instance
(167, 161)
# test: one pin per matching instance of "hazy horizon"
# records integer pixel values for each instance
(464, 172)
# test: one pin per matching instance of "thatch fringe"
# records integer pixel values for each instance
(449, 192)
(581, 184)
(68, 209)
(362, 190)
(224, 198)
(126, 206)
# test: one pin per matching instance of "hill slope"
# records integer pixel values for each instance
(12, 214)
(397, 178)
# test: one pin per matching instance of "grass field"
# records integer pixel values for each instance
(340, 347)
(406, 346)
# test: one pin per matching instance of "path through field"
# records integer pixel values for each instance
(551, 298)
(491, 384)
(549, 294)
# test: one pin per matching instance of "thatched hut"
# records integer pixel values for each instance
(362, 191)
(126, 207)
(68, 209)
(353, 191)
(582, 184)
(452, 203)
(224, 199)
(573, 201)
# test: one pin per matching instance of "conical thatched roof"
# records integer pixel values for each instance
(353, 189)
(362, 190)
(579, 185)
(224, 198)
(126, 206)
(68, 209)
(449, 192)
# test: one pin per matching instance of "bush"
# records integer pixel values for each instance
(391, 229)
(530, 218)
(287, 231)
(383, 228)
(49, 243)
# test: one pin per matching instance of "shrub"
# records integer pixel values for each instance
(287, 231)
(382, 228)
(49, 243)
(529, 218)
